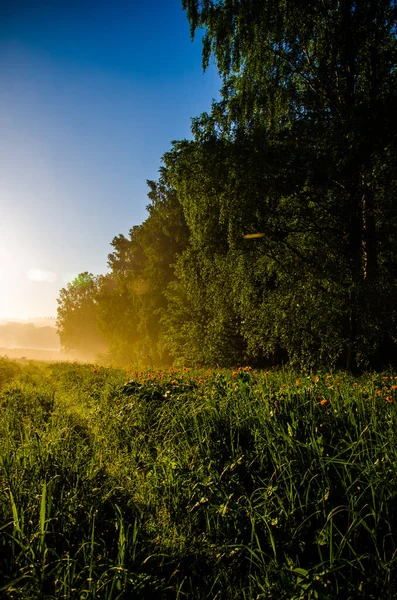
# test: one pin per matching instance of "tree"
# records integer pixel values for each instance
(307, 101)
(235, 294)
(77, 319)
(131, 299)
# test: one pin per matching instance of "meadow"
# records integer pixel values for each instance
(196, 484)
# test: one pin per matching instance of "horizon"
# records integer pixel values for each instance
(27, 319)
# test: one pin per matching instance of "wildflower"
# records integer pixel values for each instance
(323, 402)
(297, 383)
(379, 393)
(394, 387)
(328, 377)
(316, 379)
(389, 399)
(174, 382)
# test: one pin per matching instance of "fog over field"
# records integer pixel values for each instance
(31, 334)
(35, 339)
(32, 339)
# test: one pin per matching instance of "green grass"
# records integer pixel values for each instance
(196, 484)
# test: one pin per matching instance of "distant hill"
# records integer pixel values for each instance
(34, 334)
(43, 321)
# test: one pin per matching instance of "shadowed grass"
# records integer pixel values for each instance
(196, 484)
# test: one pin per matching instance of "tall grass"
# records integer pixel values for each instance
(196, 484)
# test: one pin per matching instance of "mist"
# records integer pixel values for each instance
(36, 339)
(28, 336)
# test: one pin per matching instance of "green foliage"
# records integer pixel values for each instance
(8, 370)
(273, 295)
(77, 323)
(301, 149)
(201, 324)
(294, 150)
(131, 298)
(202, 484)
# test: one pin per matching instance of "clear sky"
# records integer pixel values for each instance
(92, 93)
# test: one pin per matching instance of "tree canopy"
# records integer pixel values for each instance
(300, 148)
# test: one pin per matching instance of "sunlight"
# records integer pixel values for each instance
(21, 291)
(253, 236)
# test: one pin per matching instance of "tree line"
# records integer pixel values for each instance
(28, 335)
(300, 148)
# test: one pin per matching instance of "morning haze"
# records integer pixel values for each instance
(230, 430)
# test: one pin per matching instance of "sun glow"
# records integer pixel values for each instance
(26, 288)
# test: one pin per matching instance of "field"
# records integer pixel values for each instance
(39, 354)
(196, 484)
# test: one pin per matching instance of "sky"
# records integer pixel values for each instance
(92, 93)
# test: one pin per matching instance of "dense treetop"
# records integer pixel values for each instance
(301, 147)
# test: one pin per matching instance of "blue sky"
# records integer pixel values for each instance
(92, 94)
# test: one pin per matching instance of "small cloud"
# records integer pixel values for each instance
(40, 275)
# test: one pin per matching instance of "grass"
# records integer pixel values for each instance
(196, 484)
